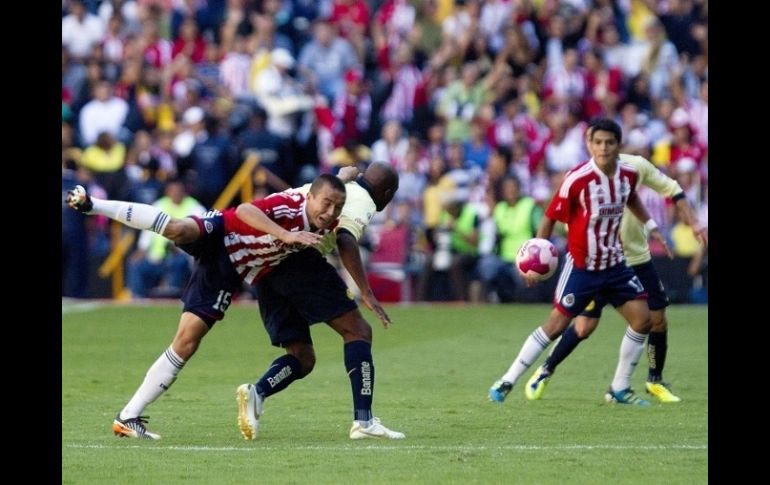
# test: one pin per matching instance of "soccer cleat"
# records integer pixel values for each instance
(78, 199)
(499, 390)
(375, 429)
(249, 410)
(537, 383)
(661, 391)
(626, 396)
(133, 428)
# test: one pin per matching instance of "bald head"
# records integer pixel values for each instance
(383, 182)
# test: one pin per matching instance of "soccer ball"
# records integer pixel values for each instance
(538, 258)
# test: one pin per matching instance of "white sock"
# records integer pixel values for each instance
(159, 378)
(535, 344)
(132, 214)
(631, 348)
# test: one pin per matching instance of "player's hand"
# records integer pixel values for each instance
(701, 234)
(655, 233)
(530, 280)
(373, 304)
(348, 174)
(304, 238)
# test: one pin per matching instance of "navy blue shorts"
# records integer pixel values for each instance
(577, 287)
(656, 294)
(214, 280)
(302, 290)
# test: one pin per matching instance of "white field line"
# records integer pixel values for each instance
(259, 448)
(88, 306)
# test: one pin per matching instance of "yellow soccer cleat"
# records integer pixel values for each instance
(661, 391)
(249, 410)
(536, 384)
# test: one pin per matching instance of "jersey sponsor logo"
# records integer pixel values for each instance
(129, 212)
(209, 226)
(568, 300)
(366, 378)
(611, 210)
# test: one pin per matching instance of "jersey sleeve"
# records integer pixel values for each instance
(559, 208)
(653, 178)
(358, 211)
(278, 201)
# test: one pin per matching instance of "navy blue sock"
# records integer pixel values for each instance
(283, 371)
(360, 369)
(657, 346)
(569, 341)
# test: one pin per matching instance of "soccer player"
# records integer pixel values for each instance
(634, 236)
(306, 289)
(591, 201)
(241, 244)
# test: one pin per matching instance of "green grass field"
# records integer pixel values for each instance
(433, 369)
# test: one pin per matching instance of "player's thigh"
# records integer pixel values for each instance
(352, 326)
(637, 314)
(622, 285)
(575, 289)
(656, 294)
(200, 236)
(312, 286)
(211, 287)
(594, 308)
(188, 336)
(283, 323)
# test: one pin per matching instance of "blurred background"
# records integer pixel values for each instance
(481, 106)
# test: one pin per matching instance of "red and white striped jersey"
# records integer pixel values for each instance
(591, 204)
(254, 253)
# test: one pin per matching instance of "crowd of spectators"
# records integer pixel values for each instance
(480, 105)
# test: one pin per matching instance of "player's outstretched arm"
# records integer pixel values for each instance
(253, 216)
(700, 232)
(637, 209)
(546, 227)
(347, 246)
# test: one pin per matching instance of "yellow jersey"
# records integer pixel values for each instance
(632, 232)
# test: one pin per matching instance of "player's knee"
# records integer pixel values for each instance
(659, 322)
(642, 325)
(352, 326)
(556, 325)
(306, 357)
(583, 333)
(186, 347)
(307, 364)
(363, 331)
(181, 231)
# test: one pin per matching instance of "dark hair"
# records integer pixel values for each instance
(605, 124)
(506, 154)
(381, 181)
(513, 178)
(326, 179)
